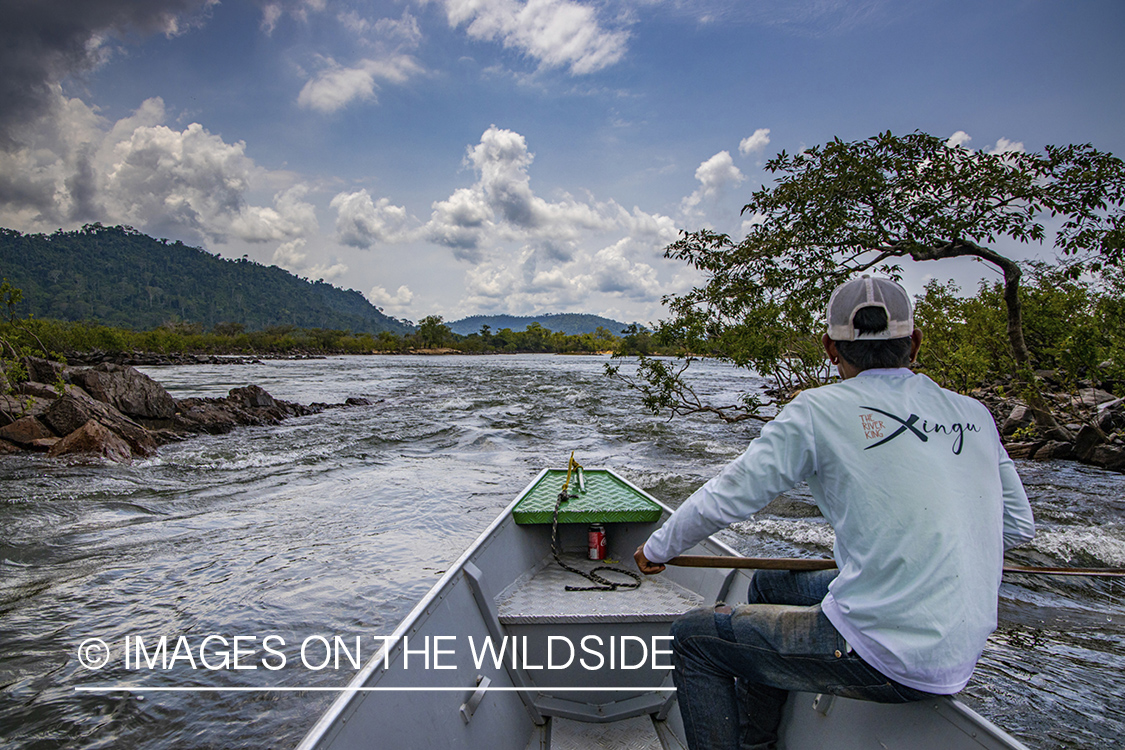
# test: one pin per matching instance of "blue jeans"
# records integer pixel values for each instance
(735, 667)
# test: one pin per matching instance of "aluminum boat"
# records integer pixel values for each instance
(499, 655)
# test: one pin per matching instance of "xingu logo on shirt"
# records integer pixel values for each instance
(887, 426)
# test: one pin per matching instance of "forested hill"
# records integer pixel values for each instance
(572, 324)
(120, 277)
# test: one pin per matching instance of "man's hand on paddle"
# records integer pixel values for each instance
(646, 567)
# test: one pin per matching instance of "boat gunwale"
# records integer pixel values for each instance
(328, 719)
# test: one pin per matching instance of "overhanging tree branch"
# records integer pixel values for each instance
(894, 197)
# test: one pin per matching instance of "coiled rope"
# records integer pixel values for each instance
(600, 583)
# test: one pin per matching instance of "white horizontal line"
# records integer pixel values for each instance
(133, 689)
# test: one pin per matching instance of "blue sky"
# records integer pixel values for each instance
(458, 157)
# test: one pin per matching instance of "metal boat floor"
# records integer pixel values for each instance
(637, 733)
(541, 597)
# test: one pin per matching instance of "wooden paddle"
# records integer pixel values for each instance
(796, 563)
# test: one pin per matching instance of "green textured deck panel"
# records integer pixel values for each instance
(607, 500)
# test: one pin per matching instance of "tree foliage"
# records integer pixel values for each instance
(1074, 327)
(21, 336)
(844, 208)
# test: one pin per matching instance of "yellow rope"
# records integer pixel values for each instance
(571, 465)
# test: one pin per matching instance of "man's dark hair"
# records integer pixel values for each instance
(872, 354)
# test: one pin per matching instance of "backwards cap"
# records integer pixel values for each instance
(869, 291)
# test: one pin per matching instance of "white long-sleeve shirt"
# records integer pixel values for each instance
(924, 501)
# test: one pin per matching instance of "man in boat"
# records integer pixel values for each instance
(924, 501)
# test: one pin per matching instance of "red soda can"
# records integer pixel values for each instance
(597, 541)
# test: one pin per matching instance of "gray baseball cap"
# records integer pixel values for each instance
(869, 291)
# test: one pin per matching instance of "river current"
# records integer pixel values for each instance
(338, 523)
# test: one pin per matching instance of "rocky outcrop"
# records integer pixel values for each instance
(1099, 439)
(25, 431)
(71, 411)
(114, 412)
(92, 438)
(39, 390)
(131, 392)
(243, 407)
(44, 370)
(1109, 457)
(17, 407)
(1020, 418)
(252, 396)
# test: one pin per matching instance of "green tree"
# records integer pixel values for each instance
(534, 338)
(432, 332)
(843, 208)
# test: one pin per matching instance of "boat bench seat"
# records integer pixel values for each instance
(542, 598)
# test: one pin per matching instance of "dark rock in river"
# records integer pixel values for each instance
(210, 415)
(126, 388)
(16, 407)
(251, 396)
(39, 390)
(1110, 457)
(24, 431)
(93, 438)
(1053, 449)
(76, 408)
(250, 405)
(1024, 450)
(1111, 416)
(44, 370)
(1088, 438)
(1020, 417)
(118, 400)
(152, 359)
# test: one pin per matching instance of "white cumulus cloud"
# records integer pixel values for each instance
(326, 272)
(502, 205)
(362, 222)
(613, 271)
(396, 303)
(292, 257)
(715, 175)
(960, 138)
(188, 183)
(756, 142)
(289, 217)
(461, 222)
(529, 254)
(718, 172)
(556, 33)
(195, 182)
(1004, 146)
(529, 280)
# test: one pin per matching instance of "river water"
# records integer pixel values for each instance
(337, 523)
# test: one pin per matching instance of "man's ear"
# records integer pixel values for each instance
(830, 349)
(915, 344)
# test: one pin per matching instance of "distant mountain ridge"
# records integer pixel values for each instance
(569, 323)
(120, 277)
